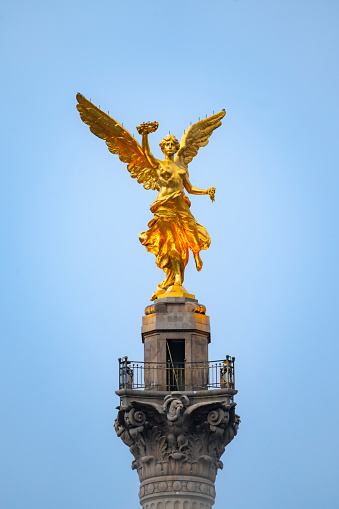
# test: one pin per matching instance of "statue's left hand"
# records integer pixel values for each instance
(211, 192)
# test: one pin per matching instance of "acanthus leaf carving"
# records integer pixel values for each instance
(177, 437)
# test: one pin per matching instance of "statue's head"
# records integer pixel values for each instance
(169, 145)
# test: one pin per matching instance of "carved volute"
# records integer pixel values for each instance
(177, 438)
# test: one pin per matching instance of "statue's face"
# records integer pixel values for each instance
(169, 148)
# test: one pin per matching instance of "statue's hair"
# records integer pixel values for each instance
(167, 138)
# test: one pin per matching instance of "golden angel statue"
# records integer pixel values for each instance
(173, 231)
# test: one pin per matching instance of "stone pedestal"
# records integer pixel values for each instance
(177, 438)
(170, 321)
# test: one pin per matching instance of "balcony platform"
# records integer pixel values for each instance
(128, 395)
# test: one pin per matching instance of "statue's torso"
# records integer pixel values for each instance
(170, 178)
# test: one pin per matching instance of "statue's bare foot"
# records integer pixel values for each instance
(157, 293)
(198, 261)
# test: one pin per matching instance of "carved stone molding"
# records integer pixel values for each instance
(177, 438)
(185, 493)
(177, 503)
(175, 486)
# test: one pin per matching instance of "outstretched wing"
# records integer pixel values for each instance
(152, 410)
(119, 141)
(196, 136)
(201, 410)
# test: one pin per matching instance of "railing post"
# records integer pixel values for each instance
(119, 360)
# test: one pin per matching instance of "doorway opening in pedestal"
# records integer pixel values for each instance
(175, 364)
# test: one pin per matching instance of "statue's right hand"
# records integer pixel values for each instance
(147, 127)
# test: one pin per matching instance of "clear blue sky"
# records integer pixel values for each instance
(75, 279)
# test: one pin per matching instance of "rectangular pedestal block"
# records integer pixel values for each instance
(176, 334)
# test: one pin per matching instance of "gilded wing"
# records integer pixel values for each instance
(196, 136)
(119, 141)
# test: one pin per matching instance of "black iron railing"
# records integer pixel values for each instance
(172, 376)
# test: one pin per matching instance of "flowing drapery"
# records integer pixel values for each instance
(172, 232)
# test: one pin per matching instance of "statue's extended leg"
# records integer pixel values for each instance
(164, 285)
(174, 277)
(177, 272)
(168, 281)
